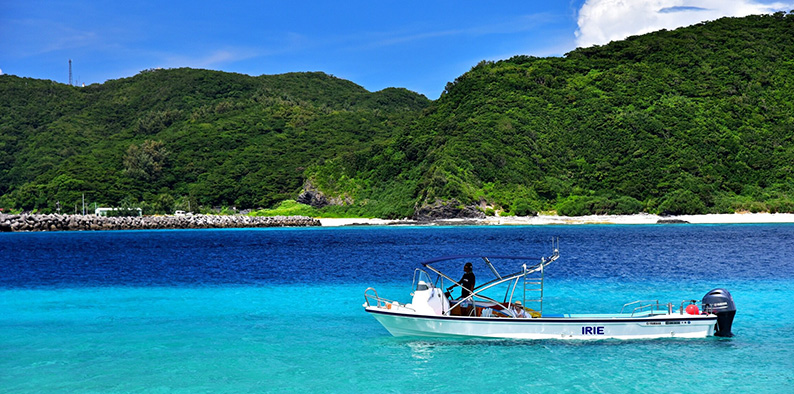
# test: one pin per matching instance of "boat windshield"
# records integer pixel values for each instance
(421, 280)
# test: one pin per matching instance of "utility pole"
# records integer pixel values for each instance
(83, 204)
(70, 75)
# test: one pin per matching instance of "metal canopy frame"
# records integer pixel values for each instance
(476, 292)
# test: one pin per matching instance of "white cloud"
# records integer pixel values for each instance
(1, 71)
(602, 21)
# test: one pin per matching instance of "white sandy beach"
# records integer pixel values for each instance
(336, 222)
(594, 219)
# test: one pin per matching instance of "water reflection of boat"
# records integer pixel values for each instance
(498, 308)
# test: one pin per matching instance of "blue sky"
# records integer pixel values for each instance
(377, 44)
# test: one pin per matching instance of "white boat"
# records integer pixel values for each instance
(432, 312)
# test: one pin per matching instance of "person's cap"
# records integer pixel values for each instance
(467, 265)
(517, 303)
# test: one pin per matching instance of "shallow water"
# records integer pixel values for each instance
(279, 310)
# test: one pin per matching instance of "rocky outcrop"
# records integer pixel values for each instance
(313, 198)
(55, 222)
(671, 221)
(311, 195)
(447, 210)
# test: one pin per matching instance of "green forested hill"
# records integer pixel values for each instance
(166, 137)
(696, 120)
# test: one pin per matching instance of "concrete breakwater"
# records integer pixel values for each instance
(54, 222)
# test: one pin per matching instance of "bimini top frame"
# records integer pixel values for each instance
(498, 280)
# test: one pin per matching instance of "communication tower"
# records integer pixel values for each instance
(70, 72)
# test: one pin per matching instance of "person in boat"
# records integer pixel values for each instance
(519, 311)
(467, 282)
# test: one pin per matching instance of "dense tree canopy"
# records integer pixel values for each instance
(695, 120)
(206, 137)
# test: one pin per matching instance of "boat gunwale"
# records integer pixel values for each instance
(637, 319)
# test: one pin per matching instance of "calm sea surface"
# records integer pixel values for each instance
(279, 310)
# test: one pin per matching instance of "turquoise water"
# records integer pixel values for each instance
(248, 329)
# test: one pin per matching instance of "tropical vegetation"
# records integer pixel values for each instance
(695, 120)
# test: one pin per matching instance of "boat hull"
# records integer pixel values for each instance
(575, 327)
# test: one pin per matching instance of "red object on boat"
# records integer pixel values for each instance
(692, 309)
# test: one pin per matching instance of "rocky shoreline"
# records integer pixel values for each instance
(54, 222)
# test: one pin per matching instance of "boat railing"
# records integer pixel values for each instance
(648, 306)
(380, 302)
(691, 302)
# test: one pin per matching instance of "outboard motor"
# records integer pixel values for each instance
(720, 302)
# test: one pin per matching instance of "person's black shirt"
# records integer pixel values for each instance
(467, 281)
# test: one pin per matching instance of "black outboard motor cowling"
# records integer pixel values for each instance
(720, 302)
